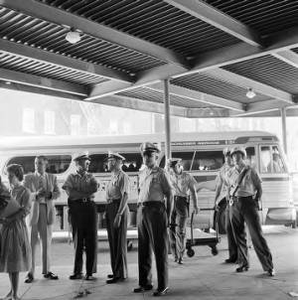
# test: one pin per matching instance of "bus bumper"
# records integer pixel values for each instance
(281, 216)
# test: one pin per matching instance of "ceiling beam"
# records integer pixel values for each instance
(40, 91)
(288, 56)
(63, 61)
(213, 112)
(153, 75)
(42, 82)
(212, 60)
(60, 17)
(283, 40)
(137, 104)
(262, 106)
(216, 18)
(246, 82)
(201, 97)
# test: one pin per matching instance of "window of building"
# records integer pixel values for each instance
(75, 124)
(57, 164)
(207, 160)
(28, 120)
(49, 122)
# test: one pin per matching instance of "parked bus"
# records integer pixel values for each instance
(201, 155)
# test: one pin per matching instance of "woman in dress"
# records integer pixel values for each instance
(15, 253)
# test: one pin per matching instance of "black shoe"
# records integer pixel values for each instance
(110, 275)
(180, 261)
(76, 276)
(89, 277)
(158, 292)
(271, 273)
(242, 269)
(29, 278)
(142, 289)
(114, 280)
(230, 261)
(51, 275)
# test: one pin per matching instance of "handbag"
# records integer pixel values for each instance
(10, 208)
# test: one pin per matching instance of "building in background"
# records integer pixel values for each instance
(28, 114)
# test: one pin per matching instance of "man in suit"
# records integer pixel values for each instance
(44, 190)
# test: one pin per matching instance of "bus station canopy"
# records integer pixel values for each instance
(223, 58)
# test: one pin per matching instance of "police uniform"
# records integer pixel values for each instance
(83, 217)
(222, 184)
(244, 208)
(116, 189)
(152, 219)
(181, 184)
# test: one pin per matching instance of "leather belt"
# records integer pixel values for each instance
(110, 201)
(180, 197)
(83, 200)
(150, 204)
(234, 199)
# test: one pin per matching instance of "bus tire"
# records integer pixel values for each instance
(294, 224)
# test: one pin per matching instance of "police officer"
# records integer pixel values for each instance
(116, 216)
(245, 190)
(153, 219)
(80, 187)
(182, 184)
(221, 204)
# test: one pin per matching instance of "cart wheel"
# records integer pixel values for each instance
(129, 245)
(214, 250)
(190, 252)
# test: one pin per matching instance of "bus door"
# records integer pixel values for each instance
(277, 196)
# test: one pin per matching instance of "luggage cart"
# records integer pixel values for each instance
(197, 237)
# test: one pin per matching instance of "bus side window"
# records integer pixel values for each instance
(132, 163)
(265, 159)
(207, 161)
(271, 161)
(276, 161)
(98, 164)
(251, 156)
(186, 156)
(57, 164)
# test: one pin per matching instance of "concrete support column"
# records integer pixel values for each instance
(283, 112)
(167, 119)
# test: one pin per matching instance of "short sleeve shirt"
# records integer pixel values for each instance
(222, 178)
(81, 183)
(153, 184)
(181, 183)
(249, 183)
(117, 186)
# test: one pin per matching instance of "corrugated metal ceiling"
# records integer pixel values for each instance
(268, 70)
(154, 21)
(266, 17)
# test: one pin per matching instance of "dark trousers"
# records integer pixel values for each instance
(153, 235)
(117, 240)
(83, 216)
(232, 244)
(178, 227)
(245, 210)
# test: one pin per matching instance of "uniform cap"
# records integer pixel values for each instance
(82, 157)
(238, 149)
(226, 151)
(114, 155)
(149, 147)
(173, 162)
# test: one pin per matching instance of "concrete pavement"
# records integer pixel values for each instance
(202, 277)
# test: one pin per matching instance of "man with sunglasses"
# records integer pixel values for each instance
(81, 187)
(154, 212)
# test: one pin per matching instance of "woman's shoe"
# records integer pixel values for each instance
(242, 269)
